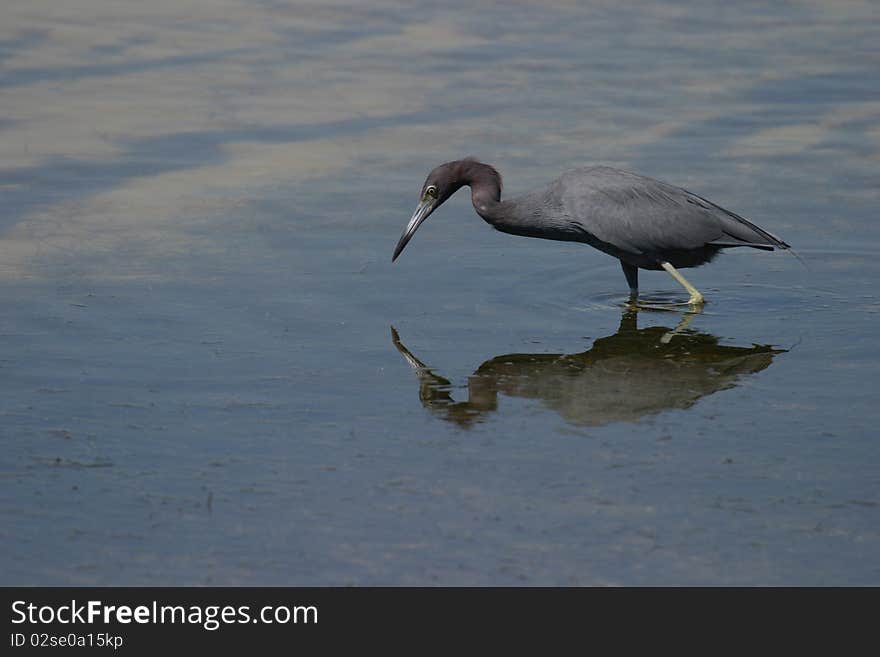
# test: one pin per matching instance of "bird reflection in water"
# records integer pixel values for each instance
(623, 377)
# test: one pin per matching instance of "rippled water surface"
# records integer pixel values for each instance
(212, 373)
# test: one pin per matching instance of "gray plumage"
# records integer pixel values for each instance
(643, 222)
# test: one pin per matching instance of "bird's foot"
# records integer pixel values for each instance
(665, 303)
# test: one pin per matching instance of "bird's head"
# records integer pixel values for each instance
(443, 182)
(440, 184)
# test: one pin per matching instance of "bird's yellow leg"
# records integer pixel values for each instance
(696, 297)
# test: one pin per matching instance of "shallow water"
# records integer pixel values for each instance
(212, 373)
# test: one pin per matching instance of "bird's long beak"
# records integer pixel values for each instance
(422, 212)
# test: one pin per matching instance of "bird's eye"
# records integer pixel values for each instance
(431, 191)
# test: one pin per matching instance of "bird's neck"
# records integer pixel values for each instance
(507, 216)
(485, 183)
(487, 205)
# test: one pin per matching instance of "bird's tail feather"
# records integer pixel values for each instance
(735, 221)
(799, 258)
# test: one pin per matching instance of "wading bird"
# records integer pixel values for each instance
(645, 223)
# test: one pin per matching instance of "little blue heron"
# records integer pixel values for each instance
(643, 222)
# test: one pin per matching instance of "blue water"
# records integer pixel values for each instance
(212, 373)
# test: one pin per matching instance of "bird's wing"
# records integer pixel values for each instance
(643, 215)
